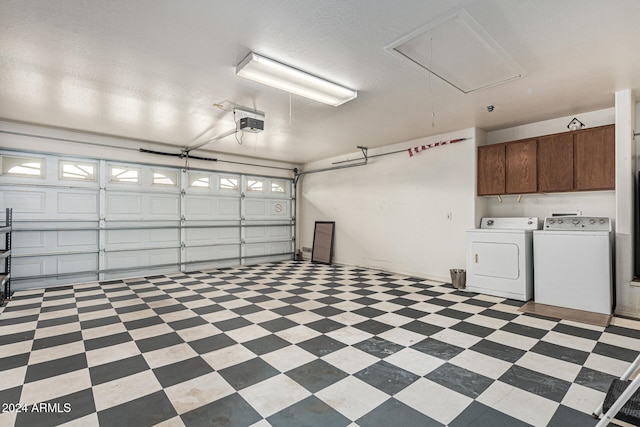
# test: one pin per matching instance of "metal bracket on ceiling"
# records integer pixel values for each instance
(365, 154)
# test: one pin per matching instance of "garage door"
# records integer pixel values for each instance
(79, 220)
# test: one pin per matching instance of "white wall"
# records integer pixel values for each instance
(591, 203)
(547, 127)
(392, 213)
(594, 203)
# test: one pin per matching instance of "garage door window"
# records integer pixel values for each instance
(228, 183)
(255, 185)
(124, 174)
(77, 171)
(200, 180)
(162, 177)
(278, 187)
(25, 166)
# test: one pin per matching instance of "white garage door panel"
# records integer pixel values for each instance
(140, 239)
(164, 256)
(140, 272)
(79, 262)
(51, 203)
(228, 207)
(123, 237)
(262, 233)
(280, 208)
(164, 206)
(207, 253)
(204, 266)
(254, 249)
(78, 203)
(268, 258)
(255, 233)
(255, 208)
(114, 225)
(21, 267)
(52, 265)
(25, 202)
(123, 204)
(45, 242)
(79, 240)
(208, 208)
(267, 209)
(212, 235)
(198, 206)
(127, 259)
(164, 236)
(24, 242)
(142, 258)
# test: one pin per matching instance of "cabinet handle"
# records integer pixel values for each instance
(476, 255)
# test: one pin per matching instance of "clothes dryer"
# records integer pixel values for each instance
(500, 257)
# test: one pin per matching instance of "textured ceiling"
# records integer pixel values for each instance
(151, 69)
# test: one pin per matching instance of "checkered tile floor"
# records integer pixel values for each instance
(297, 344)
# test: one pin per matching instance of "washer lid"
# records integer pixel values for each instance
(519, 223)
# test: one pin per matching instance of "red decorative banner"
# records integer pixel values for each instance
(416, 150)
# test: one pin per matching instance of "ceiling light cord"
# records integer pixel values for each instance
(433, 111)
(235, 134)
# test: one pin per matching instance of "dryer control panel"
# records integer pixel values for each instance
(519, 223)
(578, 223)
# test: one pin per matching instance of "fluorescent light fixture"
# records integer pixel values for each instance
(276, 74)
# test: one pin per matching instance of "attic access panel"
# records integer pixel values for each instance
(458, 50)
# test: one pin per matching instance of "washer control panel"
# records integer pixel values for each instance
(577, 223)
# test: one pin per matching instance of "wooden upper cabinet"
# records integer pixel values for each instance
(581, 160)
(491, 167)
(521, 170)
(555, 163)
(595, 163)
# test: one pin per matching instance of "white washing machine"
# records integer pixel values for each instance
(573, 263)
(500, 257)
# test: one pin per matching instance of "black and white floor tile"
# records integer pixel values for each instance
(297, 344)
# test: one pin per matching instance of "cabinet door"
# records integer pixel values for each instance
(555, 163)
(491, 170)
(521, 170)
(595, 165)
